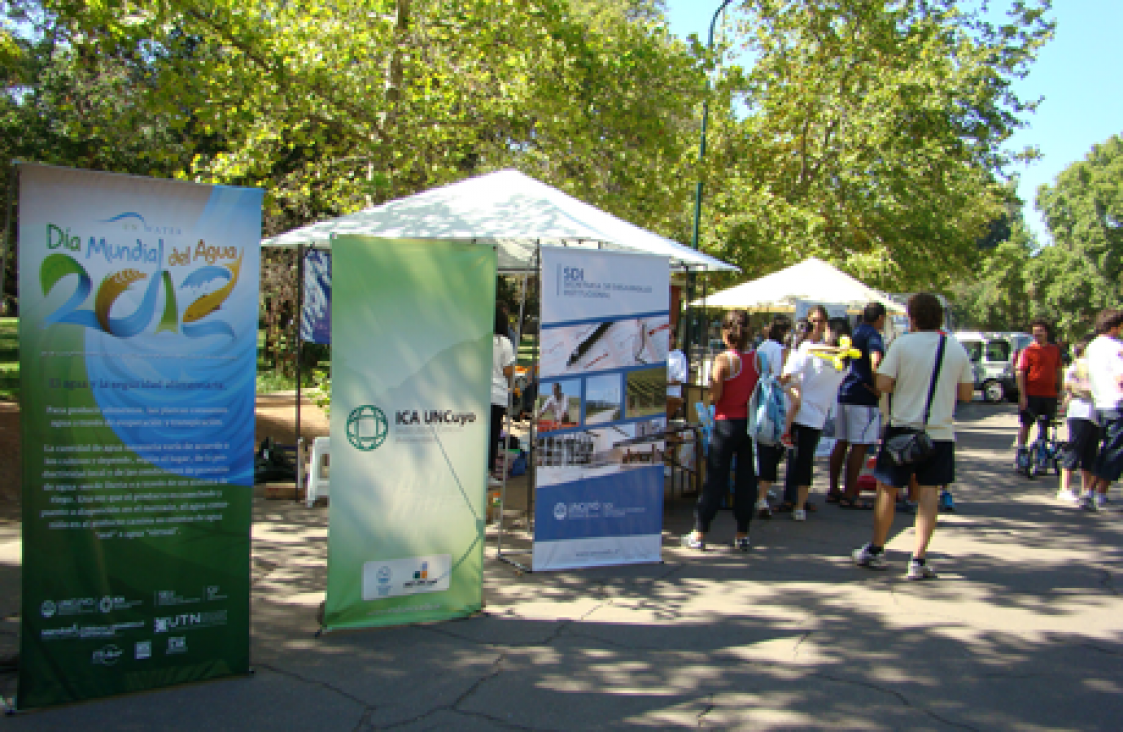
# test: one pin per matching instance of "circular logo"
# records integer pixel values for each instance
(559, 511)
(367, 428)
(47, 609)
(384, 574)
(106, 604)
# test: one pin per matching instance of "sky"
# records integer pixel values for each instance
(1079, 75)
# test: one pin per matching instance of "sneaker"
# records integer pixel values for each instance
(689, 542)
(1067, 497)
(494, 482)
(1101, 501)
(1088, 503)
(763, 510)
(741, 544)
(864, 558)
(918, 571)
(1021, 459)
(799, 514)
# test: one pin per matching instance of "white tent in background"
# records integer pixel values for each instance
(507, 208)
(812, 279)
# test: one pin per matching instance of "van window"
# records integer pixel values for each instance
(998, 351)
(974, 350)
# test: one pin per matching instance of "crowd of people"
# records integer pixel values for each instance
(1089, 393)
(915, 384)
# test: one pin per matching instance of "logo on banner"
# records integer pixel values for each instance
(560, 511)
(107, 655)
(367, 428)
(207, 287)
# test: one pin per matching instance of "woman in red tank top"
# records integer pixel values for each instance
(732, 381)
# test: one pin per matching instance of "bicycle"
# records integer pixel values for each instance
(1044, 452)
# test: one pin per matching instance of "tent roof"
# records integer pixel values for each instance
(508, 208)
(812, 279)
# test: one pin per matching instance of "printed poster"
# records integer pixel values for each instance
(411, 398)
(601, 409)
(138, 328)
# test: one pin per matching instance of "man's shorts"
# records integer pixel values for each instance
(857, 424)
(1109, 463)
(1038, 406)
(936, 470)
(1083, 445)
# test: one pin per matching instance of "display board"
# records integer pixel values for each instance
(411, 391)
(601, 408)
(138, 332)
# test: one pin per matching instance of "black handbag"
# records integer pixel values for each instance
(911, 445)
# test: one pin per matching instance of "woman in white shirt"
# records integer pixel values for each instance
(814, 383)
(1083, 428)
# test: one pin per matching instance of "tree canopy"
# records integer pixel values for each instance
(870, 133)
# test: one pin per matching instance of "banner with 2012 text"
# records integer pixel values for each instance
(138, 327)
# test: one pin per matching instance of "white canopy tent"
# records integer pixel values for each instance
(513, 210)
(812, 279)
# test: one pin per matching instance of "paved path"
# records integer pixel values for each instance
(1024, 630)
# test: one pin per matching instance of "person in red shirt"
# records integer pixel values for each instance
(732, 381)
(1038, 373)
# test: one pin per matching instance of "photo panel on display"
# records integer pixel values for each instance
(589, 453)
(558, 405)
(604, 345)
(603, 399)
(646, 392)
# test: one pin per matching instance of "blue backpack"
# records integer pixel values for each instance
(767, 408)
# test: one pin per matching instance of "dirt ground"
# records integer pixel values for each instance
(275, 417)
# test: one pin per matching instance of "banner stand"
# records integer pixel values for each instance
(626, 532)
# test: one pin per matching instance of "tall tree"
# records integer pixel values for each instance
(872, 135)
(1084, 213)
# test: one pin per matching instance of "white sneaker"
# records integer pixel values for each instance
(919, 571)
(799, 514)
(763, 510)
(493, 482)
(1067, 496)
(864, 558)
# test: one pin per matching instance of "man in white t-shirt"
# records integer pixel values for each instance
(906, 373)
(1105, 377)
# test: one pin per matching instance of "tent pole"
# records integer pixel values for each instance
(532, 471)
(503, 488)
(299, 315)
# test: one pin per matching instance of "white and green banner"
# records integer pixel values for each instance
(411, 371)
(138, 335)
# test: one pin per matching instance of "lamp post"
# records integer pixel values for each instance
(698, 189)
(705, 121)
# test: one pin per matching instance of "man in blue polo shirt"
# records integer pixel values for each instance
(858, 420)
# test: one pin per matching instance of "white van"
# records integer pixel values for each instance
(992, 361)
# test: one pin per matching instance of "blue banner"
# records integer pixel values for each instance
(315, 314)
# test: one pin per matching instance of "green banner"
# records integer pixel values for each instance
(138, 324)
(411, 371)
